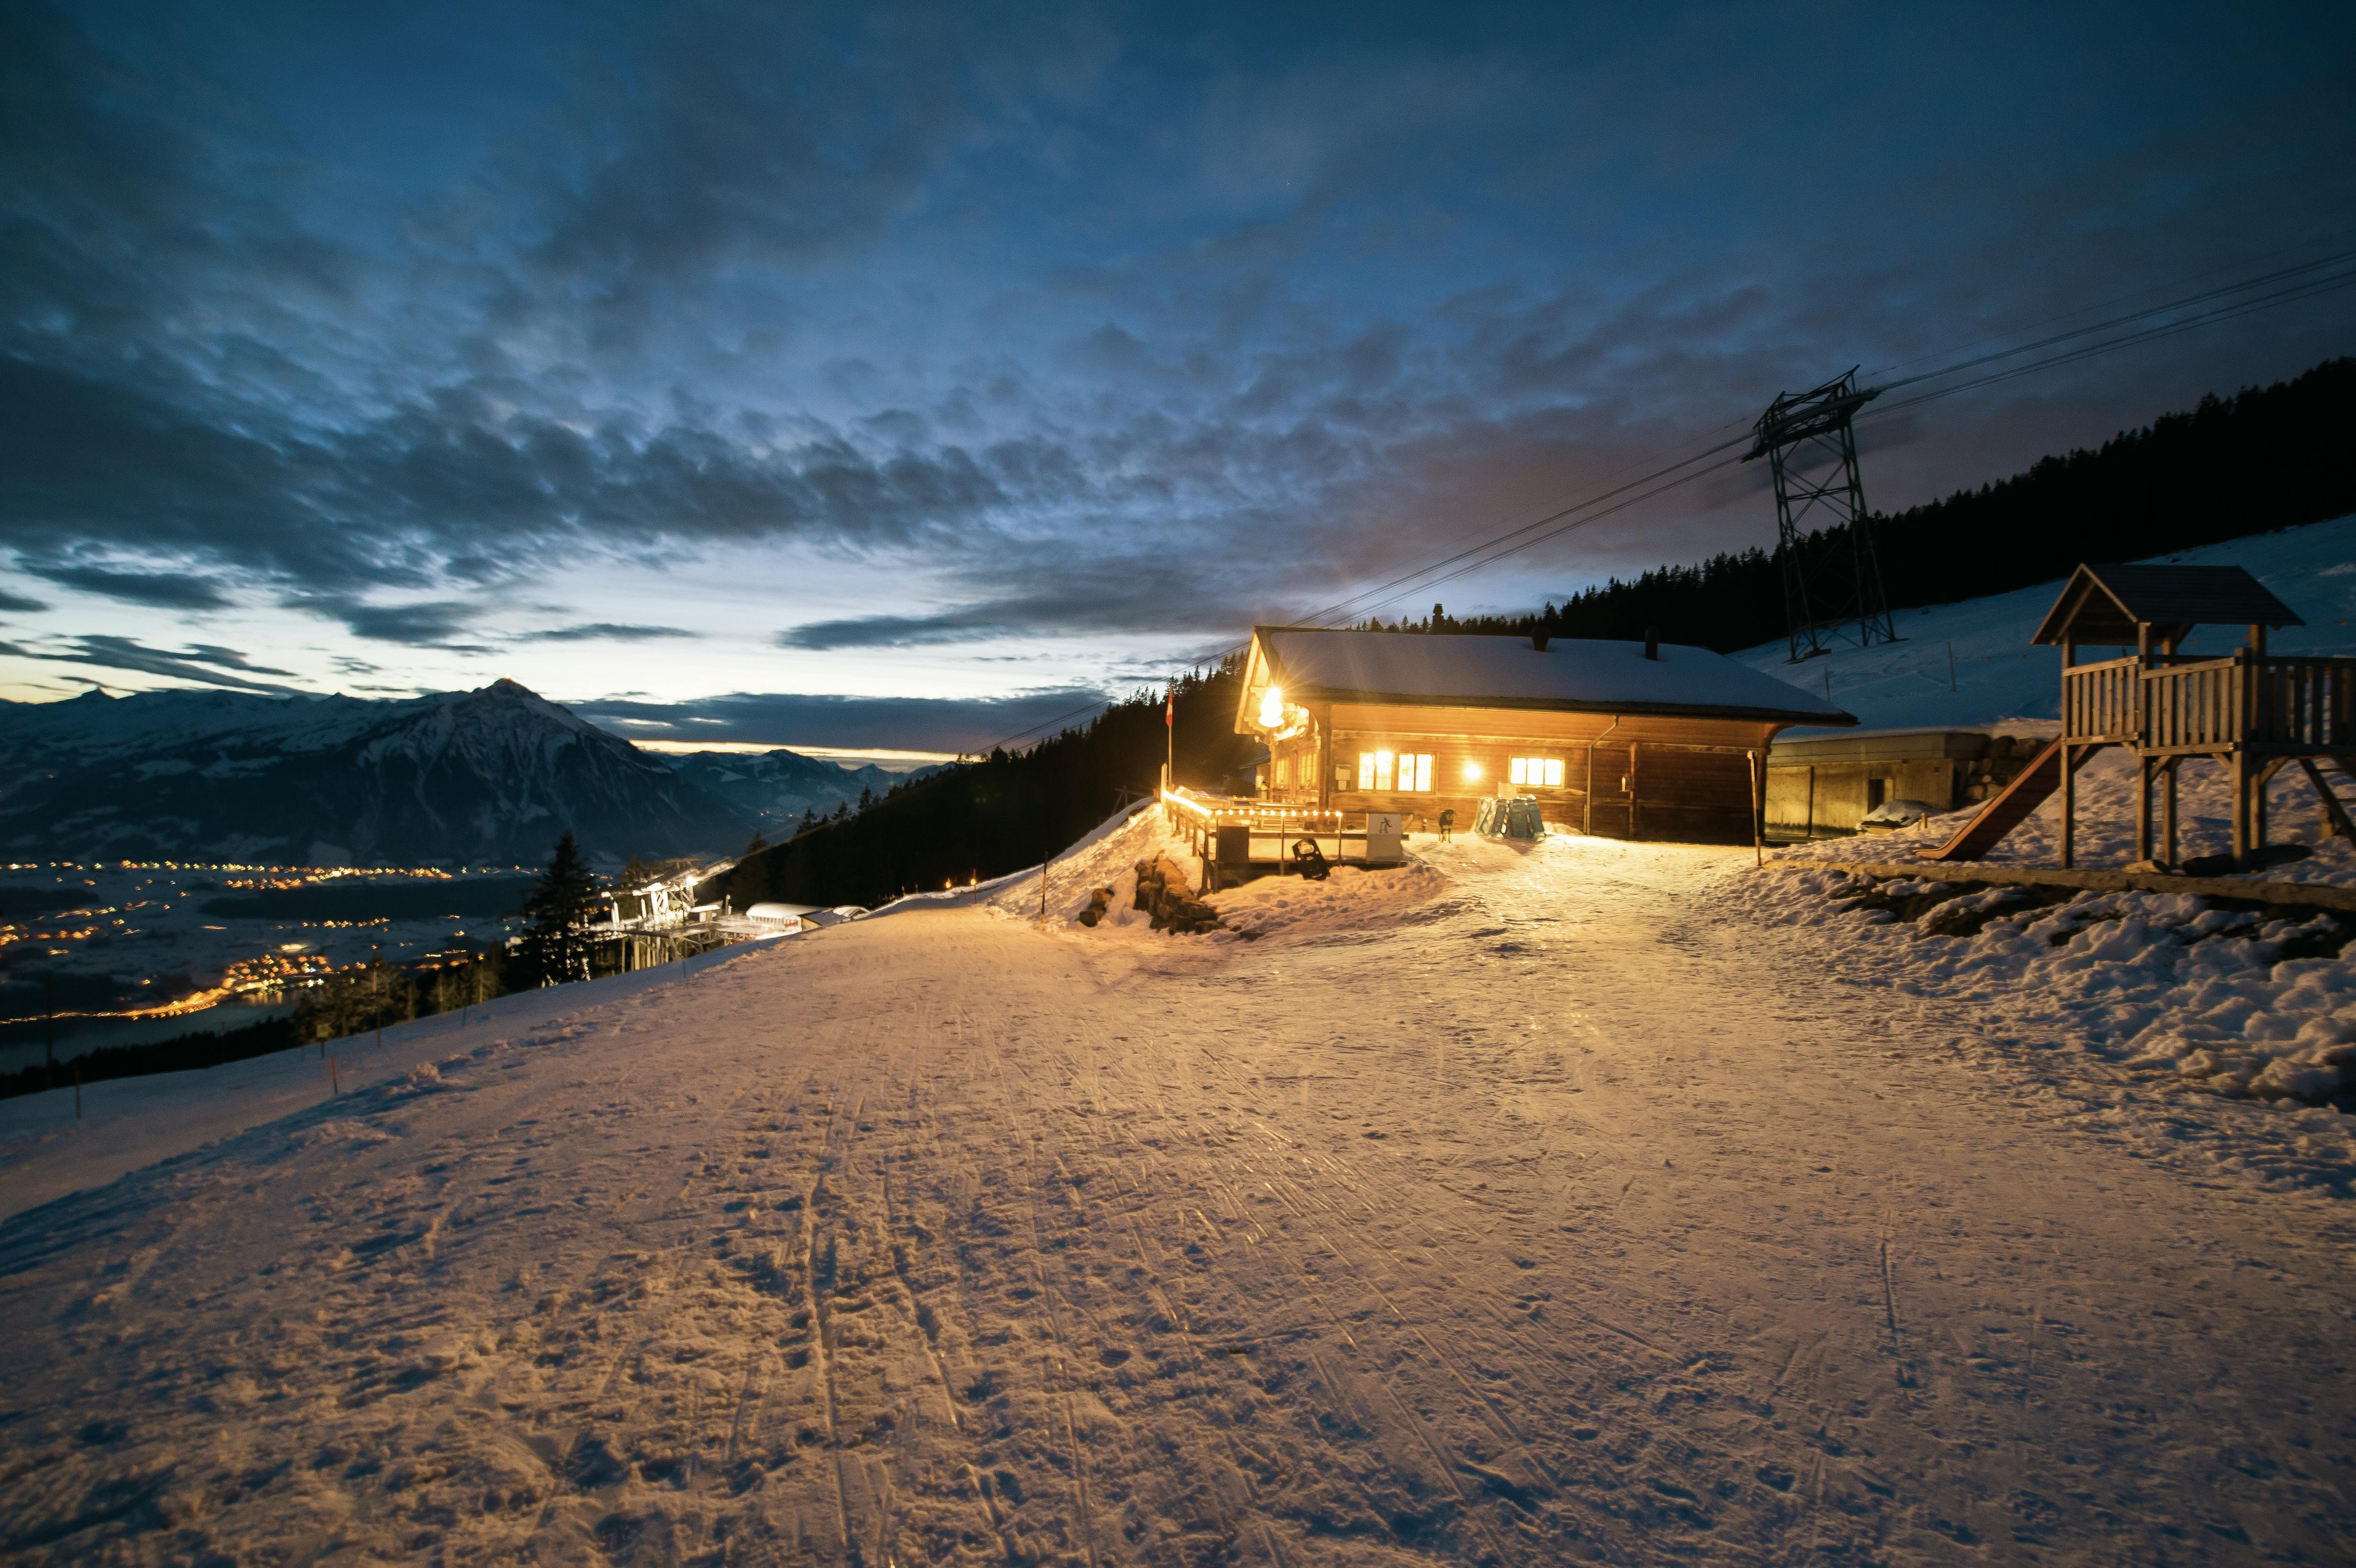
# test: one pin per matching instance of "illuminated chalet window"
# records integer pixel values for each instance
(1541, 772)
(1404, 770)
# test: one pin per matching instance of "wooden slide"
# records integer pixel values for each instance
(1999, 816)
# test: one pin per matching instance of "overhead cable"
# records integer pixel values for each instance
(1476, 557)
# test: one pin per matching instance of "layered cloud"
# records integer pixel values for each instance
(989, 330)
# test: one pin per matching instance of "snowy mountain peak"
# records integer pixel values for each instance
(490, 775)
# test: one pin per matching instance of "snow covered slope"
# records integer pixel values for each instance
(489, 776)
(1548, 1211)
(1998, 676)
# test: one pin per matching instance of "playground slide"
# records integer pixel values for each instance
(1999, 816)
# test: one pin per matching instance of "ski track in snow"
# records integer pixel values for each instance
(1520, 1206)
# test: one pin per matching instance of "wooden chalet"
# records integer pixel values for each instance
(1621, 739)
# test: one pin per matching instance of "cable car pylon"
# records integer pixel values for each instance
(1832, 585)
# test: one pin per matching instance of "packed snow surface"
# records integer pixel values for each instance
(1525, 1205)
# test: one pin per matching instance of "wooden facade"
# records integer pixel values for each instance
(1613, 770)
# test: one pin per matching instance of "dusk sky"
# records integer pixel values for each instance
(882, 377)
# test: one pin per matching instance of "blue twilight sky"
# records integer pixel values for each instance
(881, 376)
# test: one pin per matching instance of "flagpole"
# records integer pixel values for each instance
(1169, 736)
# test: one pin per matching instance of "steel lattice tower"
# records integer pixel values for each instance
(1808, 441)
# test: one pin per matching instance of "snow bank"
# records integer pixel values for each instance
(1106, 858)
(1366, 903)
(2165, 985)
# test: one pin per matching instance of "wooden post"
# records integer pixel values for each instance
(2143, 807)
(2069, 777)
(2137, 729)
(2240, 767)
(1587, 822)
(1758, 814)
(2167, 810)
(2069, 809)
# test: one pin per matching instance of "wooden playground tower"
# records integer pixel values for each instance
(2250, 711)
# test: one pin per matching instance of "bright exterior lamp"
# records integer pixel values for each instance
(1272, 709)
(1472, 773)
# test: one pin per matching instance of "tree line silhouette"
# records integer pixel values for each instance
(2266, 458)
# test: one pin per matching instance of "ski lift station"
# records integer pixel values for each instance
(1643, 739)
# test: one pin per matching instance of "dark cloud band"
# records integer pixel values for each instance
(607, 632)
(850, 723)
(202, 664)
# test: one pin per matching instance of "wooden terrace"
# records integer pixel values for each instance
(1238, 838)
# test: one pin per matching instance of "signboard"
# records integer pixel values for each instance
(1383, 836)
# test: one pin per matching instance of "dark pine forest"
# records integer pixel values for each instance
(2266, 458)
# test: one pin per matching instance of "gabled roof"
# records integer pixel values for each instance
(1409, 667)
(2106, 604)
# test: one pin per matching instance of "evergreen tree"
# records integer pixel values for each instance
(563, 898)
(866, 797)
(810, 820)
(754, 848)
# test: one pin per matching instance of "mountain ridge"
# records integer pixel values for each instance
(488, 777)
(776, 787)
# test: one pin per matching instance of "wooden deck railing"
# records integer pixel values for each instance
(2098, 701)
(2178, 704)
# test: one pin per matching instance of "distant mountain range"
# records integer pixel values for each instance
(484, 777)
(774, 788)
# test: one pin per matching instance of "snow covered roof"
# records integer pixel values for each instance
(1510, 672)
(2107, 604)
